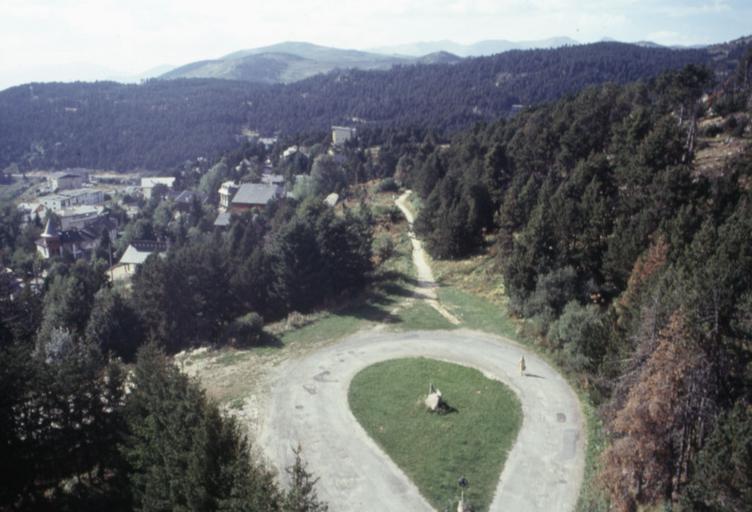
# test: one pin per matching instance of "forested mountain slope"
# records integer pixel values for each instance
(111, 125)
(631, 262)
(163, 123)
(487, 47)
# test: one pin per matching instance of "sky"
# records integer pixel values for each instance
(48, 40)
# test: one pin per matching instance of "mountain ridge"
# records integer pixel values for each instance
(477, 49)
(285, 62)
(292, 61)
(163, 123)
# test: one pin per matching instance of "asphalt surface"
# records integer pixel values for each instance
(308, 405)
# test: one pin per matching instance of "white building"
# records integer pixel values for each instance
(81, 196)
(135, 256)
(147, 184)
(268, 141)
(341, 134)
(65, 180)
(70, 198)
(54, 202)
(226, 192)
(78, 217)
(289, 151)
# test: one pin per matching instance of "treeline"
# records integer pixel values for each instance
(73, 438)
(161, 124)
(219, 286)
(631, 266)
(451, 97)
(211, 286)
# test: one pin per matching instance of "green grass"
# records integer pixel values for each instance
(415, 203)
(592, 498)
(421, 316)
(435, 450)
(478, 313)
(236, 404)
(17, 188)
(390, 287)
(331, 327)
(232, 357)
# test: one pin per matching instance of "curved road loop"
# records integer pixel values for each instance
(308, 404)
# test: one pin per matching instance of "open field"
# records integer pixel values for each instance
(435, 449)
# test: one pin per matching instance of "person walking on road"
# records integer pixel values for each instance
(522, 366)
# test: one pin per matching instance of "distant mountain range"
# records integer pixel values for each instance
(290, 62)
(293, 61)
(73, 72)
(160, 124)
(487, 47)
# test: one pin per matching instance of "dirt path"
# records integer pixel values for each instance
(426, 288)
(308, 404)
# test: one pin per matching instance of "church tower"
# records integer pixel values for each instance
(50, 242)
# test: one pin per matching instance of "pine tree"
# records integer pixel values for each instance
(722, 479)
(114, 325)
(182, 454)
(302, 496)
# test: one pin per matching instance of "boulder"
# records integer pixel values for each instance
(434, 401)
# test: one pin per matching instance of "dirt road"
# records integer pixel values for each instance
(426, 288)
(308, 404)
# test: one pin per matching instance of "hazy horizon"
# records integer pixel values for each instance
(48, 40)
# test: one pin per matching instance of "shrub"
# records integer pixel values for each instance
(383, 248)
(388, 185)
(582, 334)
(246, 330)
(713, 130)
(296, 320)
(552, 292)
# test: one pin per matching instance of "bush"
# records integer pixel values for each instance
(729, 103)
(582, 335)
(296, 320)
(713, 130)
(246, 330)
(394, 215)
(383, 248)
(388, 185)
(552, 292)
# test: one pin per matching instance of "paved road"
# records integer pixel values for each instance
(308, 404)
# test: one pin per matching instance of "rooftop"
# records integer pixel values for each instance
(138, 251)
(272, 178)
(256, 193)
(223, 220)
(185, 197)
(150, 182)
